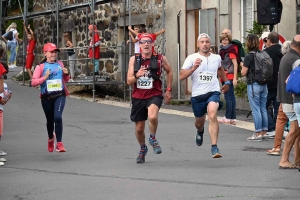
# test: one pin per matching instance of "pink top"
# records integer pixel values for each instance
(38, 79)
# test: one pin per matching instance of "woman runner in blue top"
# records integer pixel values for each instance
(51, 75)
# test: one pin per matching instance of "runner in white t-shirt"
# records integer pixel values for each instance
(204, 69)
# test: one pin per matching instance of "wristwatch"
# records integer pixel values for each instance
(169, 89)
(227, 83)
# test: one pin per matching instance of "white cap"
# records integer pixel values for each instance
(264, 35)
(203, 35)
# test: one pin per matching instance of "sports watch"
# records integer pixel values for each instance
(227, 83)
(169, 89)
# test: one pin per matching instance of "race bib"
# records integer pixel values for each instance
(144, 83)
(205, 77)
(54, 85)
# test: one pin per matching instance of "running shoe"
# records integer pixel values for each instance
(60, 147)
(270, 134)
(215, 152)
(142, 154)
(2, 153)
(51, 144)
(258, 138)
(2, 160)
(199, 138)
(71, 80)
(156, 147)
(1, 163)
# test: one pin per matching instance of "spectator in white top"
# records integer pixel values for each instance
(12, 44)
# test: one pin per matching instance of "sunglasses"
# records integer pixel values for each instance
(145, 41)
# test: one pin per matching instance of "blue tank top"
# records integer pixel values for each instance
(56, 73)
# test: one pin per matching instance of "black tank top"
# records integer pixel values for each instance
(70, 51)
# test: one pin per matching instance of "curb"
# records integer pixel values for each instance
(239, 123)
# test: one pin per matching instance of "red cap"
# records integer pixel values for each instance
(50, 47)
(146, 35)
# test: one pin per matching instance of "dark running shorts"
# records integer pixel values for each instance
(199, 103)
(139, 110)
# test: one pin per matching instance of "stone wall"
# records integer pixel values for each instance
(106, 18)
(298, 20)
(152, 12)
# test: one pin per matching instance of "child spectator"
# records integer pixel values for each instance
(134, 37)
(143, 30)
(72, 56)
(94, 48)
(30, 48)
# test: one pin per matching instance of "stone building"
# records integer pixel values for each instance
(109, 19)
(76, 22)
(183, 21)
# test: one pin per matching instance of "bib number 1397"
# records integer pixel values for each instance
(205, 77)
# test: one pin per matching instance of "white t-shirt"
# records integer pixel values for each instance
(204, 78)
(137, 46)
(2, 94)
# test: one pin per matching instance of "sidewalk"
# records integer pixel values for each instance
(243, 121)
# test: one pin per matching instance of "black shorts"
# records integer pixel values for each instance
(139, 110)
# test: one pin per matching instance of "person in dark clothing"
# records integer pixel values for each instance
(274, 51)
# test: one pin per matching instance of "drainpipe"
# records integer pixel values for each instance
(129, 53)
(57, 23)
(178, 54)
(163, 40)
(124, 49)
(24, 39)
(242, 21)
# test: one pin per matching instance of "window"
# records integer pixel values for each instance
(193, 4)
(248, 8)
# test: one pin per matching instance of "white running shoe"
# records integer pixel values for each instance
(270, 134)
(2, 160)
(1, 163)
(2, 153)
(258, 138)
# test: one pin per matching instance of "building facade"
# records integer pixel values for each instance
(183, 20)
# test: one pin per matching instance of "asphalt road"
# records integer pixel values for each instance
(101, 152)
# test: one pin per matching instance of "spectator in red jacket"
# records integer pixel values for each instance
(94, 47)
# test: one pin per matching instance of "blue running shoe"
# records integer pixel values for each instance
(156, 147)
(215, 152)
(142, 154)
(199, 138)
